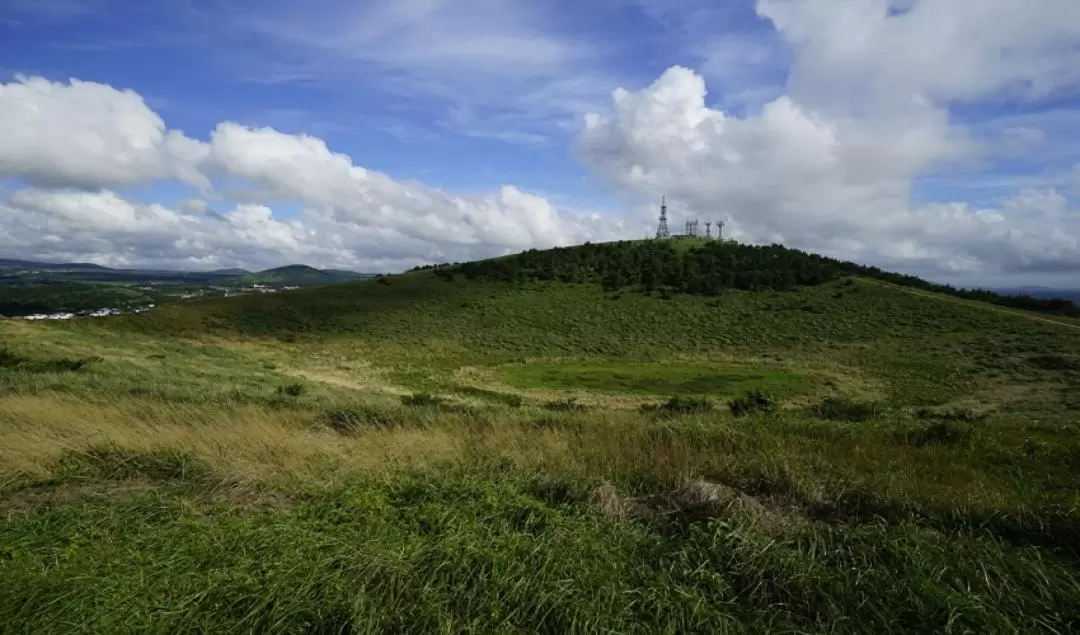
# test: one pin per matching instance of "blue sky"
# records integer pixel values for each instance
(196, 71)
(902, 108)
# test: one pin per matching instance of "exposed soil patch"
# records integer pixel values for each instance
(695, 502)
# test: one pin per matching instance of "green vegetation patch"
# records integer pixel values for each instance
(464, 553)
(654, 379)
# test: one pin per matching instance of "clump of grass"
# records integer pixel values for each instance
(12, 360)
(569, 404)
(114, 463)
(943, 432)
(554, 423)
(837, 409)
(422, 400)
(753, 401)
(9, 359)
(291, 390)
(680, 406)
(350, 420)
(954, 414)
(508, 399)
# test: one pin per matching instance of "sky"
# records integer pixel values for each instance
(933, 137)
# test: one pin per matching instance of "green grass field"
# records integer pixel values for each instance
(431, 456)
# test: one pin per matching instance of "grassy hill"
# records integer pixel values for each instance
(24, 299)
(298, 275)
(489, 448)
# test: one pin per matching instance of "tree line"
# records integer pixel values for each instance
(707, 269)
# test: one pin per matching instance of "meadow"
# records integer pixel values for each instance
(418, 454)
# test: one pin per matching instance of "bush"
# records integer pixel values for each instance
(347, 421)
(9, 359)
(421, 400)
(940, 433)
(680, 406)
(565, 405)
(115, 463)
(554, 423)
(62, 364)
(291, 390)
(956, 414)
(835, 409)
(753, 401)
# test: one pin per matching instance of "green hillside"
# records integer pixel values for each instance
(608, 438)
(23, 299)
(298, 275)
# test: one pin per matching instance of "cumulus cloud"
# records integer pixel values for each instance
(89, 134)
(830, 164)
(71, 143)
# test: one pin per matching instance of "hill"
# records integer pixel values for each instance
(298, 275)
(523, 445)
(706, 267)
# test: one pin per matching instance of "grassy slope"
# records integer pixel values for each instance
(173, 470)
(300, 275)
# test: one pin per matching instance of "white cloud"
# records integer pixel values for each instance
(828, 165)
(74, 141)
(88, 134)
(853, 53)
(102, 227)
(832, 183)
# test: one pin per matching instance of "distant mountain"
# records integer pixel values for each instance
(345, 274)
(16, 270)
(298, 275)
(7, 263)
(1037, 291)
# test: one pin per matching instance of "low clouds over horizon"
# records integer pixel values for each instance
(933, 138)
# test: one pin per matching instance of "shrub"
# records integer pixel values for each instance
(421, 400)
(115, 463)
(835, 409)
(291, 390)
(680, 405)
(943, 432)
(347, 421)
(753, 401)
(63, 364)
(9, 359)
(565, 405)
(554, 423)
(509, 399)
(955, 414)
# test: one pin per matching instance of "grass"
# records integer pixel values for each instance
(652, 379)
(431, 456)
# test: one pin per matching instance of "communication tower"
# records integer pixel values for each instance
(662, 229)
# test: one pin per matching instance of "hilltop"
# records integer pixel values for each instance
(298, 275)
(623, 437)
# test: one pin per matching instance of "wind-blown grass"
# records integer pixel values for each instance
(431, 456)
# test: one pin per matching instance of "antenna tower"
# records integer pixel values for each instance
(708, 229)
(720, 230)
(662, 229)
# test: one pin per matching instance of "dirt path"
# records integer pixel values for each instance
(344, 382)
